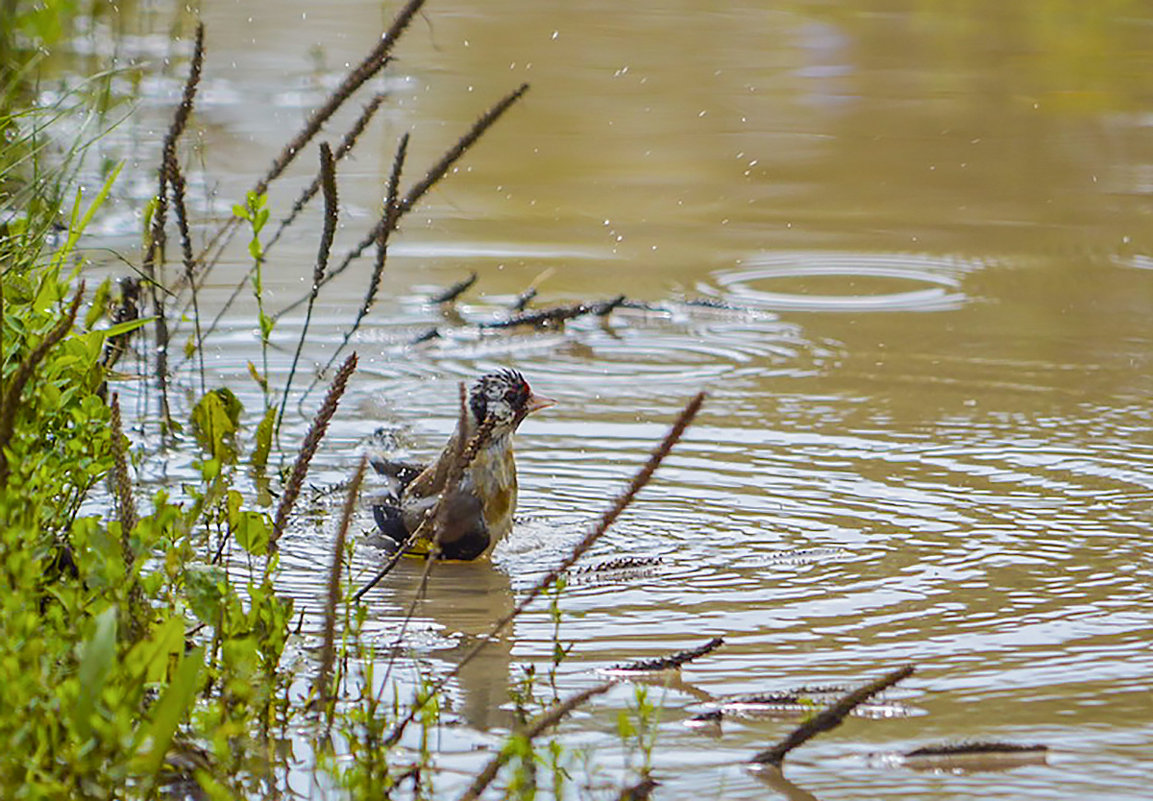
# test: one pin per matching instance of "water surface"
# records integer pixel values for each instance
(923, 228)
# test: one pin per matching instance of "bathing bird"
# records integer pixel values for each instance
(475, 515)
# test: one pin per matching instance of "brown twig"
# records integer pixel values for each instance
(643, 476)
(434, 174)
(454, 291)
(830, 717)
(542, 722)
(122, 485)
(153, 262)
(347, 142)
(126, 506)
(328, 181)
(979, 748)
(389, 219)
(356, 77)
(523, 299)
(425, 336)
(327, 647)
(668, 662)
(176, 181)
(558, 314)
(308, 450)
(620, 563)
(10, 397)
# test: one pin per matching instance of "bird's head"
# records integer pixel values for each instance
(507, 397)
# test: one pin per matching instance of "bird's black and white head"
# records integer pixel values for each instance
(507, 397)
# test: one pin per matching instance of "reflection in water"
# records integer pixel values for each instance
(461, 601)
(775, 779)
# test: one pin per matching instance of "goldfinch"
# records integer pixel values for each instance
(479, 512)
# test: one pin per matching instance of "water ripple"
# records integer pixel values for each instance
(845, 282)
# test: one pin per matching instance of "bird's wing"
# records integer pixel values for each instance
(399, 470)
(432, 479)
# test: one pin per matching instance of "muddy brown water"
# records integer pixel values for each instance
(928, 432)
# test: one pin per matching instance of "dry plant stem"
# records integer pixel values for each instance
(361, 73)
(438, 170)
(122, 486)
(558, 314)
(342, 150)
(389, 218)
(643, 476)
(328, 181)
(389, 224)
(455, 291)
(830, 717)
(347, 143)
(434, 174)
(356, 77)
(545, 720)
(176, 180)
(10, 396)
(671, 661)
(308, 450)
(327, 647)
(154, 258)
(150, 267)
(126, 506)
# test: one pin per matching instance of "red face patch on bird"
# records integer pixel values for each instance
(505, 395)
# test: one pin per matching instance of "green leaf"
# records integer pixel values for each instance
(260, 380)
(149, 212)
(205, 588)
(151, 658)
(252, 530)
(264, 438)
(47, 294)
(126, 326)
(169, 711)
(99, 303)
(215, 420)
(96, 658)
(625, 727)
(78, 224)
(210, 469)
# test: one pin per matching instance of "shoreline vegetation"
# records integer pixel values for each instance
(143, 652)
(137, 658)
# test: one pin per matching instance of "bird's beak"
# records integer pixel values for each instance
(538, 402)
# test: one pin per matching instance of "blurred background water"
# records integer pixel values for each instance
(924, 228)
